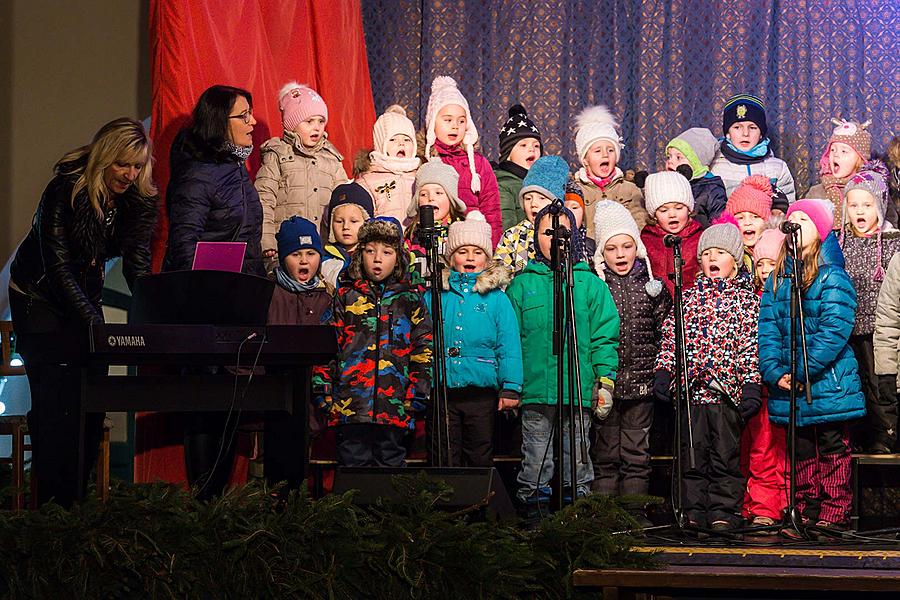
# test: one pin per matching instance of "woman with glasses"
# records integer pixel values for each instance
(100, 204)
(210, 196)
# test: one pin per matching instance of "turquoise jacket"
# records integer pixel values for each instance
(596, 330)
(481, 333)
(829, 307)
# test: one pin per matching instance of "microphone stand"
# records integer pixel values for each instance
(797, 321)
(682, 388)
(429, 235)
(563, 312)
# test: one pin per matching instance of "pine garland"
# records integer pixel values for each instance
(157, 541)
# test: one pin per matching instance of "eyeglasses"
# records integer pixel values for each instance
(244, 116)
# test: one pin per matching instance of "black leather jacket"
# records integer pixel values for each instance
(62, 260)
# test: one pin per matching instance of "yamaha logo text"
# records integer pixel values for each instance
(129, 341)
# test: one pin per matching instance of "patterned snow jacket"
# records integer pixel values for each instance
(720, 330)
(641, 317)
(516, 247)
(383, 367)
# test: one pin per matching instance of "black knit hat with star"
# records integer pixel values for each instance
(517, 127)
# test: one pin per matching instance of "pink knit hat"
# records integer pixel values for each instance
(768, 245)
(753, 195)
(298, 103)
(820, 212)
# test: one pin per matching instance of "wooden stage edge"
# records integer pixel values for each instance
(678, 577)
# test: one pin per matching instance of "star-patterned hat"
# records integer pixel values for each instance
(517, 127)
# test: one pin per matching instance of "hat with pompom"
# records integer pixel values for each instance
(445, 92)
(517, 127)
(753, 195)
(298, 103)
(593, 124)
(393, 122)
(612, 219)
(474, 230)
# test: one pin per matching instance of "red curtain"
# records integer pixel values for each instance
(259, 46)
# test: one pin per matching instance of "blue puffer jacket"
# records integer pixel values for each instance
(481, 331)
(210, 200)
(829, 306)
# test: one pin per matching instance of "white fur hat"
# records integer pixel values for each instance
(393, 122)
(443, 93)
(593, 124)
(611, 219)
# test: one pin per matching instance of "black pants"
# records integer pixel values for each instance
(473, 411)
(209, 451)
(370, 445)
(55, 416)
(714, 489)
(620, 448)
(879, 426)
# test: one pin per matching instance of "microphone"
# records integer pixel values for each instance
(426, 216)
(685, 170)
(788, 227)
(556, 207)
(671, 240)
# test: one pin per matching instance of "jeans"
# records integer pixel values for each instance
(538, 424)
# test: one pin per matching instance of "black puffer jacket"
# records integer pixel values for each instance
(62, 260)
(641, 318)
(210, 199)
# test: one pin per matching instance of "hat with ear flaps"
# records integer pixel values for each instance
(388, 231)
(444, 92)
(612, 219)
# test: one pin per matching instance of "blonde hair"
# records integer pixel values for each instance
(121, 139)
(810, 266)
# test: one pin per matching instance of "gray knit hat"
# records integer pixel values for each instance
(439, 172)
(724, 236)
(872, 179)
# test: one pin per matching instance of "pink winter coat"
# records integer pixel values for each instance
(488, 200)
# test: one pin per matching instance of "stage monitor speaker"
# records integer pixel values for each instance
(471, 487)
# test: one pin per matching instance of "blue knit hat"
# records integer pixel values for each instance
(351, 193)
(546, 176)
(296, 234)
(744, 107)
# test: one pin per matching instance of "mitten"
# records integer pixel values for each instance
(751, 400)
(662, 381)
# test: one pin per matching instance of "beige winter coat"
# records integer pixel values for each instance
(886, 338)
(391, 192)
(295, 180)
(619, 189)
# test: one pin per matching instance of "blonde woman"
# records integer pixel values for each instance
(101, 203)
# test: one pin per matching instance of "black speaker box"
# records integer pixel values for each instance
(471, 487)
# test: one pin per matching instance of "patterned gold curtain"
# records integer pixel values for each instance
(661, 65)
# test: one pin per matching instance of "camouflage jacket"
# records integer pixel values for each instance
(383, 368)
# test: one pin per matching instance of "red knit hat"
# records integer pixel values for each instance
(754, 195)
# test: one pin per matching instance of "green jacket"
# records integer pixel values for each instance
(510, 207)
(596, 327)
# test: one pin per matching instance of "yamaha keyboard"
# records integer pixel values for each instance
(282, 345)
(188, 345)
